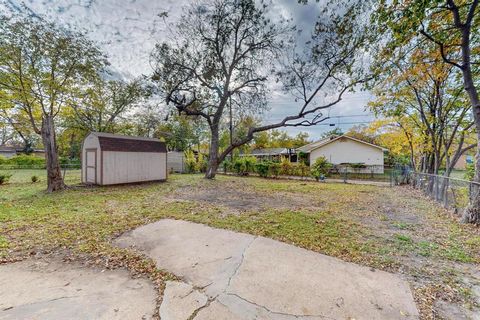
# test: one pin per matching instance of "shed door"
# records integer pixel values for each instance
(91, 165)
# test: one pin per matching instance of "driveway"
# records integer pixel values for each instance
(227, 275)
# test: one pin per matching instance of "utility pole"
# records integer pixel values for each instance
(231, 129)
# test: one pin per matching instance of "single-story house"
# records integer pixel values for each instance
(11, 151)
(345, 150)
(463, 161)
(273, 154)
(115, 159)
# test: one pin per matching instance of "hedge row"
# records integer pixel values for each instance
(34, 162)
(23, 160)
(246, 165)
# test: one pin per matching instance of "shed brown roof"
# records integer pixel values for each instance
(131, 145)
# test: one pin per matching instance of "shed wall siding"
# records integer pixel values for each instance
(348, 151)
(91, 142)
(127, 167)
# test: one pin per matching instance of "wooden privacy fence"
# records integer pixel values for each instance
(176, 161)
(454, 194)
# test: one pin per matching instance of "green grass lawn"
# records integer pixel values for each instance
(394, 229)
(458, 174)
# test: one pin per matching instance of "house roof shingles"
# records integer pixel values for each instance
(315, 145)
(269, 152)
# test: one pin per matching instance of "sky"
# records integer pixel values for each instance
(127, 31)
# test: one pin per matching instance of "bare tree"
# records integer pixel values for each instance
(225, 49)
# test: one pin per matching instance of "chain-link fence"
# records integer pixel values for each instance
(452, 193)
(27, 173)
(400, 174)
(64, 166)
(365, 172)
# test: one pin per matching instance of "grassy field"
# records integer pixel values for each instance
(393, 229)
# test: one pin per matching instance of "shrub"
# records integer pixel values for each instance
(3, 160)
(190, 162)
(226, 165)
(268, 169)
(26, 160)
(4, 178)
(238, 166)
(263, 168)
(250, 164)
(34, 179)
(357, 166)
(286, 167)
(274, 169)
(242, 166)
(202, 163)
(303, 170)
(470, 172)
(69, 161)
(320, 168)
(302, 157)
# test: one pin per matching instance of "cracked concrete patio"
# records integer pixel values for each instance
(227, 275)
(37, 289)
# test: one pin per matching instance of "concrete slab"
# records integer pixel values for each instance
(290, 280)
(180, 301)
(216, 310)
(37, 289)
(191, 251)
(247, 277)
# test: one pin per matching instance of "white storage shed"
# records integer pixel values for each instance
(115, 159)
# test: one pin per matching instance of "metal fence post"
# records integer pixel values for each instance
(470, 187)
(445, 193)
(450, 192)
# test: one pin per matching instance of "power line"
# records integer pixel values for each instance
(339, 123)
(328, 117)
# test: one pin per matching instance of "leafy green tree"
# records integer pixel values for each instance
(42, 67)
(452, 26)
(423, 91)
(99, 107)
(334, 132)
(362, 132)
(280, 139)
(320, 167)
(180, 133)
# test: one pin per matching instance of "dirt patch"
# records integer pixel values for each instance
(238, 197)
(429, 247)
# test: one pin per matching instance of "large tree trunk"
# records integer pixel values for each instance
(472, 212)
(213, 161)
(54, 173)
